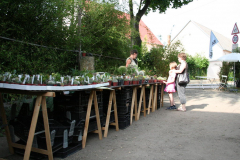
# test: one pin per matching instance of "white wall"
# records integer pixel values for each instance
(194, 41)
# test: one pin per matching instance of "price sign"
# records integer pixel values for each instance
(235, 39)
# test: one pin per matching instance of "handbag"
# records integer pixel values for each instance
(183, 78)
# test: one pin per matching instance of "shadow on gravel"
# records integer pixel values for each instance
(200, 106)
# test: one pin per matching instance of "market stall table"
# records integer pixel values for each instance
(42, 92)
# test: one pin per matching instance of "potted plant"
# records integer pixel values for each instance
(126, 81)
(115, 82)
(57, 78)
(36, 80)
(140, 77)
(135, 80)
(95, 81)
(122, 70)
(45, 79)
(84, 53)
(155, 79)
(110, 81)
(75, 82)
(161, 79)
(18, 79)
(146, 79)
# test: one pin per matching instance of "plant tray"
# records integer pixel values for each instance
(71, 149)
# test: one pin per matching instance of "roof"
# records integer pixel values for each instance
(223, 41)
(146, 33)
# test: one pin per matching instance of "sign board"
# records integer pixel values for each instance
(235, 39)
(234, 47)
(235, 29)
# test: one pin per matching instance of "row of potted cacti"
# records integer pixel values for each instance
(134, 80)
(88, 77)
(55, 79)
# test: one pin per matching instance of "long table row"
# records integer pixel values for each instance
(101, 104)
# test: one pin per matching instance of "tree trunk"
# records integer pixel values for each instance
(140, 13)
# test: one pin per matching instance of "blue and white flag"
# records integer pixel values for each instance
(213, 41)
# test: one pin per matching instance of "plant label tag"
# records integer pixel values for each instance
(33, 78)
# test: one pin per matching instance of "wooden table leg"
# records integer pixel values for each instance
(115, 110)
(162, 92)
(32, 128)
(85, 132)
(155, 98)
(135, 106)
(140, 103)
(150, 98)
(97, 115)
(133, 101)
(144, 101)
(5, 122)
(108, 113)
(46, 127)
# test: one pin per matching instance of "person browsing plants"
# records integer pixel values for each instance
(170, 85)
(130, 60)
(181, 69)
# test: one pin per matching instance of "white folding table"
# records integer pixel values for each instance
(211, 80)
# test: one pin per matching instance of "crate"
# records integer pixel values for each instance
(21, 127)
(71, 149)
(58, 145)
(123, 124)
(59, 127)
(124, 117)
(92, 125)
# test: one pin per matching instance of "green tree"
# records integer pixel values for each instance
(105, 31)
(159, 58)
(41, 22)
(145, 6)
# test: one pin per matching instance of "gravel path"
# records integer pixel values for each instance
(209, 130)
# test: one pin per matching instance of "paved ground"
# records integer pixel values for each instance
(209, 130)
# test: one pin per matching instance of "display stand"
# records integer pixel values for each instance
(41, 100)
(162, 93)
(112, 100)
(134, 103)
(92, 97)
(42, 92)
(142, 99)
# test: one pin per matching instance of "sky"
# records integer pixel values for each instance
(217, 15)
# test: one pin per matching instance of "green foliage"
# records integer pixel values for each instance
(104, 31)
(39, 22)
(197, 65)
(122, 70)
(158, 59)
(225, 69)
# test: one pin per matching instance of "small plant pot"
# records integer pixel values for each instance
(110, 83)
(126, 82)
(84, 54)
(134, 82)
(94, 83)
(140, 82)
(115, 83)
(121, 81)
(155, 81)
